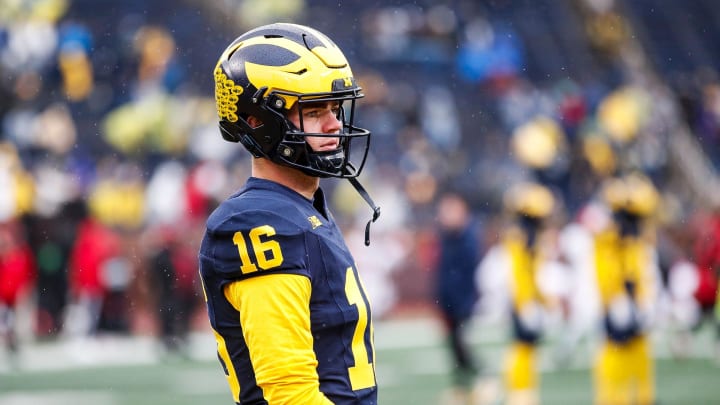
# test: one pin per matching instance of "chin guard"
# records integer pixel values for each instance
(364, 194)
(330, 161)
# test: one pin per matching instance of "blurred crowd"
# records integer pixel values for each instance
(110, 156)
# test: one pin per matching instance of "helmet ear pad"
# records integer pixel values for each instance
(234, 133)
(261, 140)
(229, 131)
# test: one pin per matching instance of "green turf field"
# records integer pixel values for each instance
(412, 372)
(188, 382)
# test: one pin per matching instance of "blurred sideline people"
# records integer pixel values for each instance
(581, 318)
(284, 297)
(89, 272)
(172, 275)
(459, 252)
(692, 283)
(706, 251)
(629, 286)
(51, 239)
(17, 278)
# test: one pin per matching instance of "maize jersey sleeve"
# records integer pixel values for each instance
(269, 232)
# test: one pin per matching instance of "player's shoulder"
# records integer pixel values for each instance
(253, 207)
(268, 222)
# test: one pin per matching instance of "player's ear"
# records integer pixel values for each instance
(253, 121)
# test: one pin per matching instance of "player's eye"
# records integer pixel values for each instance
(312, 113)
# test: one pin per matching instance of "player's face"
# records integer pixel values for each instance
(321, 117)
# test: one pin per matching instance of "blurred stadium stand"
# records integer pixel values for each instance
(109, 105)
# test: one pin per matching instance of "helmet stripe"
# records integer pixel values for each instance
(268, 55)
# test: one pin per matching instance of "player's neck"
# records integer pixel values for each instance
(287, 176)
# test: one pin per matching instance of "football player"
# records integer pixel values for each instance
(530, 204)
(628, 282)
(284, 297)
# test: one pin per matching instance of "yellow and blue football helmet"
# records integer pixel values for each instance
(633, 193)
(264, 73)
(529, 199)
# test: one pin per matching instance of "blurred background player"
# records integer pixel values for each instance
(457, 295)
(529, 205)
(628, 285)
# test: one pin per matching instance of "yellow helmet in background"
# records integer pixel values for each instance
(633, 193)
(598, 152)
(622, 113)
(529, 199)
(537, 143)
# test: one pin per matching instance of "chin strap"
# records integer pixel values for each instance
(376, 210)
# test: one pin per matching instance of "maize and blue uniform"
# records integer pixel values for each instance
(520, 373)
(623, 369)
(284, 298)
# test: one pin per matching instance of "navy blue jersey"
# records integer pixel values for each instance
(269, 232)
